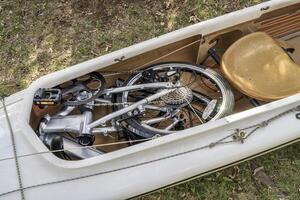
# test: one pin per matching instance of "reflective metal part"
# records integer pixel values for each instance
(125, 110)
(99, 100)
(168, 114)
(81, 153)
(158, 91)
(153, 107)
(211, 106)
(105, 130)
(201, 97)
(178, 96)
(72, 89)
(70, 124)
(155, 120)
(87, 119)
(176, 121)
(66, 111)
(160, 85)
(183, 96)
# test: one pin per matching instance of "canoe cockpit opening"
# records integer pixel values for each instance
(171, 88)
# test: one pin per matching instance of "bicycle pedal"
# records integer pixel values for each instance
(45, 96)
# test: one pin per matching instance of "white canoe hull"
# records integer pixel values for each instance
(141, 168)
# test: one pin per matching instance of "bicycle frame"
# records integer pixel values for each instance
(84, 124)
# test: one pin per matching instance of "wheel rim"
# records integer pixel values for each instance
(146, 127)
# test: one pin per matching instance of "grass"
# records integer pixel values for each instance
(39, 37)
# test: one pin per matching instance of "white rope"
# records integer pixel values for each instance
(15, 157)
(82, 147)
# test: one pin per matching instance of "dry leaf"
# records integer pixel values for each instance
(257, 170)
(264, 179)
(168, 4)
(194, 19)
(235, 172)
(108, 48)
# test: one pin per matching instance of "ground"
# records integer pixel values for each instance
(38, 37)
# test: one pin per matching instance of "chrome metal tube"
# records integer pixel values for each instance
(125, 110)
(66, 111)
(162, 85)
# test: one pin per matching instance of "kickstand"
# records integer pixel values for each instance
(212, 53)
(254, 102)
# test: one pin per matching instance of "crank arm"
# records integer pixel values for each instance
(72, 89)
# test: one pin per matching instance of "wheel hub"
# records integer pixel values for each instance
(180, 96)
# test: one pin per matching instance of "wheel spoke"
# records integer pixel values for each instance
(176, 121)
(190, 117)
(201, 97)
(197, 112)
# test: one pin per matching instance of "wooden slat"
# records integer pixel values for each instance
(274, 19)
(282, 21)
(285, 28)
(281, 34)
(281, 25)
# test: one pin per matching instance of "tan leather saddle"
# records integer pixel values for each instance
(258, 67)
